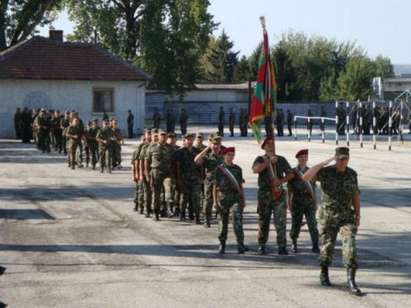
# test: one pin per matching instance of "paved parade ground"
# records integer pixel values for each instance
(71, 239)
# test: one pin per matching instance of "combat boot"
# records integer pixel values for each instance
(315, 248)
(183, 215)
(262, 250)
(294, 246)
(2, 270)
(324, 278)
(221, 248)
(282, 251)
(241, 248)
(207, 223)
(157, 216)
(351, 282)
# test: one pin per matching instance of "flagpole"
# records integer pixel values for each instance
(271, 126)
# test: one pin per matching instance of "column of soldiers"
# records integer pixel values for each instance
(199, 182)
(66, 134)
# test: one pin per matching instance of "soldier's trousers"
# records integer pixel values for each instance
(191, 196)
(298, 210)
(266, 207)
(139, 196)
(105, 159)
(208, 200)
(169, 184)
(237, 219)
(328, 235)
(157, 186)
(58, 146)
(91, 154)
(72, 148)
(80, 153)
(116, 154)
(147, 196)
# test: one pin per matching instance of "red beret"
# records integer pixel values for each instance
(228, 150)
(267, 139)
(301, 152)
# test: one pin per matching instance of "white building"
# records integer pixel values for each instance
(47, 72)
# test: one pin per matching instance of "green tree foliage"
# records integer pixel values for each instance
(20, 18)
(166, 37)
(223, 60)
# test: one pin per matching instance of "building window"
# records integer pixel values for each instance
(103, 100)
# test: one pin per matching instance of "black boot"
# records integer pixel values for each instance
(2, 270)
(294, 246)
(315, 248)
(183, 215)
(221, 248)
(141, 210)
(351, 282)
(282, 251)
(157, 216)
(241, 248)
(324, 278)
(262, 250)
(207, 223)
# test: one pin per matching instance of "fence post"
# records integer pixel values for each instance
(390, 126)
(374, 126)
(347, 118)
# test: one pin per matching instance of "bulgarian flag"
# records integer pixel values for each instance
(265, 94)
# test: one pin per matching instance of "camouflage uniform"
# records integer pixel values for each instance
(147, 193)
(91, 146)
(72, 144)
(160, 159)
(200, 148)
(169, 195)
(337, 214)
(267, 205)
(302, 204)
(105, 149)
(190, 179)
(229, 198)
(139, 192)
(211, 161)
(117, 147)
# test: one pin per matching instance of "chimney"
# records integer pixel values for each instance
(56, 35)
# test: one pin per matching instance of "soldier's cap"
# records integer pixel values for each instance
(200, 135)
(147, 131)
(216, 139)
(301, 153)
(162, 132)
(210, 137)
(189, 135)
(342, 152)
(267, 139)
(228, 150)
(154, 131)
(171, 135)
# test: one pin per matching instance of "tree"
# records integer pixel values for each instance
(242, 70)
(20, 18)
(223, 60)
(383, 67)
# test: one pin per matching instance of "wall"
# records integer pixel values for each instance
(68, 95)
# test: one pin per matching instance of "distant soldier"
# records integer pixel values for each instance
(280, 122)
(228, 195)
(79, 158)
(290, 121)
(302, 203)
(273, 171)
(73, 139)
(137, 178)
(92, 145)
(183, 121)
(117, 143)
(231, 122)
(221, 121)
(65, 122)
(150, 139)
(43, 126)
(244, 123)
(339, 213)
(105, 138)
(323, 114)
(130, 124)
(57, 131)
(341, 115)
(26, 126)
(189, 179)
(18, 123)
(157, 119)
(210, 158)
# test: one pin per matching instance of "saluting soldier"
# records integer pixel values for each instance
(210, 158)
(273, 172)
(228, 195)
(302, 203)
(339, 213)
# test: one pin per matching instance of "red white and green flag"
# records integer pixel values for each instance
(265, 94)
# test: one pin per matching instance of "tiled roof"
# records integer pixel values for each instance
(44, 58)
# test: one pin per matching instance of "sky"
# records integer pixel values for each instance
(379, 26)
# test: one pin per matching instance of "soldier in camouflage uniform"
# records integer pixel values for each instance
(79, 153)
(144, 174)
(228, 195)
(200, 146)
(135, 166)
(339, 213)
(159, 167)
(43, 125)
(189, 179)
(273, 170)
(116, 144)
(92, 145)
(73, 137)
(105, 138)
(172, 198)
(302, 203)
(64, 124)
(210, 158)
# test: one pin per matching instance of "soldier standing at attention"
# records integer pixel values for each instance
(92, 144)
(231, 122)
(210, 158)
(290, 119)
(117, 143)
(183, 121)
(135, 167)
(130, 124)
(65, 122)
(228, 195)
(105, 138)
(221, 120)
(73, 138)
(339, 213)
(144, 175)
(273, 170)
(302, 203)
(158, 167)
(189, 179)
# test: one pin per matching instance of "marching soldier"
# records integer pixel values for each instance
(105, 138)
(57, 131)
(221, 120)
(302, 203)
(290, 119)
(228, 195)
(210, 158)
(273, 171)
(117, 142)
(183, 121)
(43, 125)
(339, 213)
(150, 139)
(91, 144)
(64, 124)
(136, 177)
(189, 179)
(73, 138)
